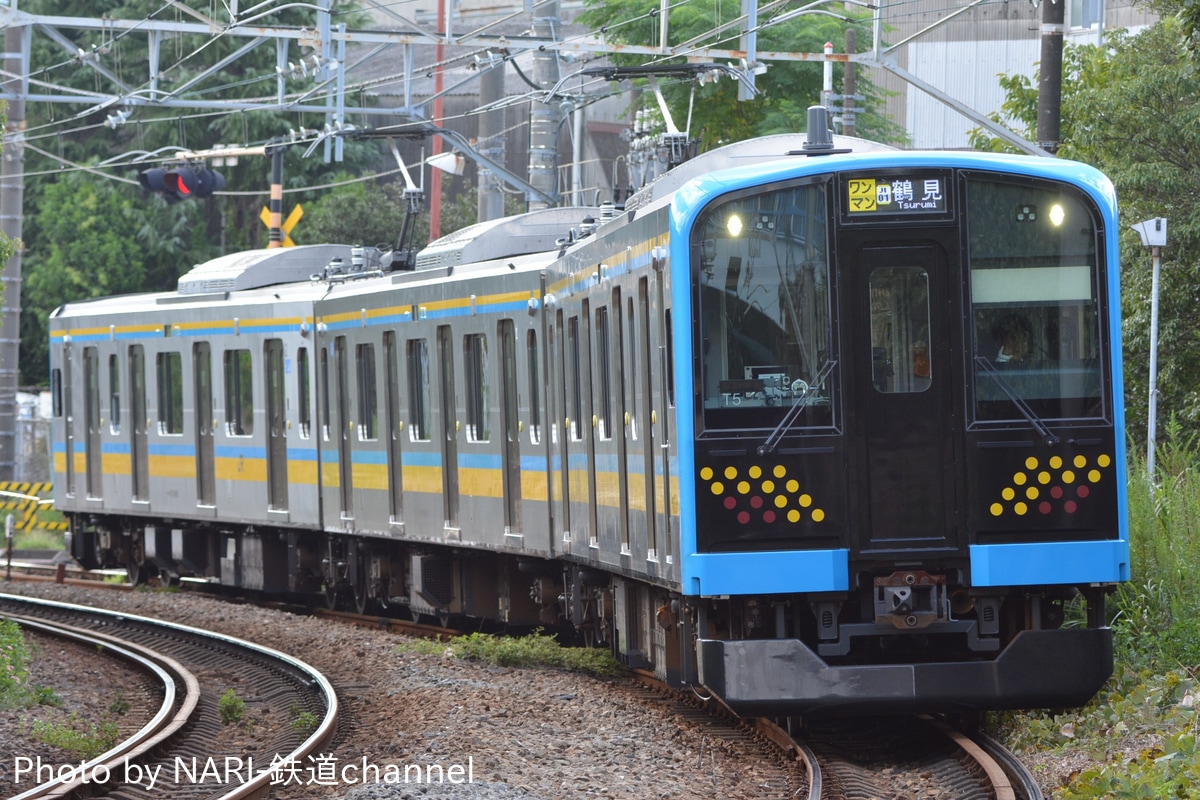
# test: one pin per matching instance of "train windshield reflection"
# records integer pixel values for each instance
(762, 269)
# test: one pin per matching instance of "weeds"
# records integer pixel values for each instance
(536, 650)
(231, 708)
(86, 743)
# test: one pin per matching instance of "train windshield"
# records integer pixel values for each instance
(761, 265)
(1035, 293)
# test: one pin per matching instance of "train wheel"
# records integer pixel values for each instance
(136, 572)
(332, 596)
(363, 602)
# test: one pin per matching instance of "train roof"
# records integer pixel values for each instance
(745, 153)
(252, 269)
(538, 231)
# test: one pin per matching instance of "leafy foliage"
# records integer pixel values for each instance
(1132, 108)
(1141, 730)
(165, 240)
(787, 89)
(85, 740)
(14, 665)
(231, 708)
(535, 650)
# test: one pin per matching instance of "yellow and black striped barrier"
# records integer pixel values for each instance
(23, 500)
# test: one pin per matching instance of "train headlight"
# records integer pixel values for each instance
(1057, 214)
(734, 225)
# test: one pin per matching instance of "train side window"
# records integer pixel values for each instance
(670, 360)
(604, 368)
(114, 393)
(417, 356)
(535, 387)
(323, 388)
(900, 330)
(169, 372)
(304, 393)
(368, 397)
(239, 393)
(476, 372)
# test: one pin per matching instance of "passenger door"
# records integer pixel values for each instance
(905, 383)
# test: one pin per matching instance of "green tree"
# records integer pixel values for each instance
(171, 238)
(1132, 108)
(786, 89)
(98, 239)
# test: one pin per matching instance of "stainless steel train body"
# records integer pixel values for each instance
(757, 430)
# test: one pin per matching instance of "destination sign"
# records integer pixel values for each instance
(897, 195)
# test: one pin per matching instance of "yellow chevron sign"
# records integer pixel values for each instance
(22, 500)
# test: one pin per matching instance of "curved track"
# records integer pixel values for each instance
(867, 758)
(184, 746)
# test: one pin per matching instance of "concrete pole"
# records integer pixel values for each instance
(543, 117)
(491, 144)
(12, 198)
(1152, 412)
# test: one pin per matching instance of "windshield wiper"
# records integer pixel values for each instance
(793, 413)
(1047, 435)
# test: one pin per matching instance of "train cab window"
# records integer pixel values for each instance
(239, 393)
(900, 330)
(304, 393)
(368, 397)
(1035, 286)
(764, 335)
(475, 366)
(169, 372)
(114, 394)
(418, 389)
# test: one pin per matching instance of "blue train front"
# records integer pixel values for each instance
(904, 444)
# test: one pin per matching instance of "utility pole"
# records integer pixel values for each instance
(491, 138)
(849, 85)
(12, 195)
(543, 117)
(1049, 114)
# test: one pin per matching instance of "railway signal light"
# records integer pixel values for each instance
(180, 183)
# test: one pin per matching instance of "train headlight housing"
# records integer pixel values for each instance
(734, 225)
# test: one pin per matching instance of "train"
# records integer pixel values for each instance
(810, 424)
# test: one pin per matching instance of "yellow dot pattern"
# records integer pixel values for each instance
(761, 494)
(1052, 484)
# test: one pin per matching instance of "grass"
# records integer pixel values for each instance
(78, 738)
(1140, 733)
(536, 650)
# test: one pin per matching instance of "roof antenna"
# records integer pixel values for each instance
(819, 140)
(819, 135)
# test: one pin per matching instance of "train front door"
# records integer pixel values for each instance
(904, 383)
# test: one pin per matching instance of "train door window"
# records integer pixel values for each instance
(56, 392)
(139, 461)
(535, 387)
(900, 330)
(393, 425)
(91, 389)
(604, 368)
(1035, 291)
(510, 400)
(574, 381)
(239, 393)
(475, 370)
(368, 397)
(303, 393)
(323, 388)
(114, 393)
(631, 373)
(418, 389)
(169, 372)
(670, 377)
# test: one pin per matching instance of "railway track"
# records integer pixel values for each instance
(871, 758)
(855, 759)
(183, 752)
